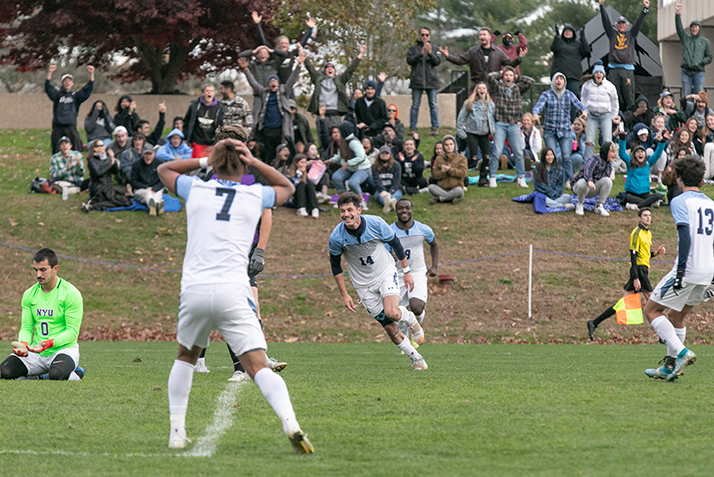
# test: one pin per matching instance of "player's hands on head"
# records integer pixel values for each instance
(245, 155)
(257, 262)
(42, 346)
(20, 348)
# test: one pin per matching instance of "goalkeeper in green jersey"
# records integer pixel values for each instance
(51, 317)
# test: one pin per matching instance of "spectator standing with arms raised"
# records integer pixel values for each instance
(423, 57)
(696, 54)
(568, 54)
(484, 58)
(506, 91)
(65, 107)
(622, 53)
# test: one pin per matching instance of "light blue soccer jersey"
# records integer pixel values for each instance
(697, 211)
(413, 242)
(367, 258)
(221, 217)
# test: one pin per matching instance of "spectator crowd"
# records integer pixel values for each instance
(362, 144)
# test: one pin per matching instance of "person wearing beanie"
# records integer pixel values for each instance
(599, 96)
(696, 106)
(331, 89)
(447, 174)
(696, 54)
(622, 55)
(423, 57)
(354, 163)
(370, 111)
(65, 107)
(273, 122)
(568, 54)
(593, 180)
(506, 91)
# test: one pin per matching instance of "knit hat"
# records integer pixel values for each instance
(329, 65)
(347, 129)
(703, 96)
(385, 149)
(634, 149)
(448, 136)
(599, 67)
(370, 84)
(273, 77)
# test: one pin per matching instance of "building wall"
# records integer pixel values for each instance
(670, 47)
(21, 111)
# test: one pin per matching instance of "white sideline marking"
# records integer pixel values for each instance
(222, 420)
(83, 454)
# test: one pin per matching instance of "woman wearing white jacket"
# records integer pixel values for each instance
(532, 139)
(599, 97)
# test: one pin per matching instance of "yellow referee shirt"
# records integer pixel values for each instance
(641, 241)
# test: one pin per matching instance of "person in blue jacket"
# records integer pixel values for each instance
(175, 147)
(637, 184)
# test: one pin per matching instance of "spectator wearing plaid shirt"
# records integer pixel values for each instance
(67, 165)
(506, 92)
(555, 105)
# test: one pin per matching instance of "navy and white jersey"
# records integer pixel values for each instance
(697, 211)
(413, 242)
(221, 219)
(367, 257)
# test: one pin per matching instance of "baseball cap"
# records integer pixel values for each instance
(385, 149)
(622, 19)
(292, 103)
(63, 139)
(147, 149)
(65, 76)
(120, 130)
(665, 94)
(643, 131)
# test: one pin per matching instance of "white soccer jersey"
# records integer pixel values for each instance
(413, 242)
(366, 256)
(697, 211)
(221, 217)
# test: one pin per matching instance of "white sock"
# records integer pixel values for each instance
(407, 316)
(408, 349)
(180, 380)
(276, 393)
(665, 330)
(681, 333)
(74, 377)
(420, 317)
(403, 327)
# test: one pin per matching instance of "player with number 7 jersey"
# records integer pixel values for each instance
(362, 239)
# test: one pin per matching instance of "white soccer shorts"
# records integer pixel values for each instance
(689, 294)
(420, 291)
(372, 297)
(231, 311)
(37, 364)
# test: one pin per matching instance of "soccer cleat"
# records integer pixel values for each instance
(663, 372)
(417, 332)
(238, 376)
(201, 366)
(300, 443)
(591, 328)
(420, 365)
(600, 210)
(579, 209)
(684, 359)
(80, 372)
(276, 365)
(178, 439)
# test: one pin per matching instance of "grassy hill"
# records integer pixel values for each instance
(488, 302)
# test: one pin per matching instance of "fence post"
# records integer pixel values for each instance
(530, 279)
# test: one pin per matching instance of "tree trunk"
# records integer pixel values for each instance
(164, 76)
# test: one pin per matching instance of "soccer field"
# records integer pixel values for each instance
(479, 409)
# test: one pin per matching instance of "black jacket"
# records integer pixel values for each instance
(144, 176)
(126, 119)
(374, 116)
(65, 104)
(389, 180)
(99, 124)
(622, 45)
(423, 75)
(568, 54)
(189, 121)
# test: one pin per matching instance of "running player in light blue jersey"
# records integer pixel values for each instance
(362, 239)
(221, 217)
(684, 286)
(412, 235)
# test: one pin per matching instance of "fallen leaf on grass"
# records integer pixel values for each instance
(12, 222)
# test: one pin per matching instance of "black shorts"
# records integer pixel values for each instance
(643, 273)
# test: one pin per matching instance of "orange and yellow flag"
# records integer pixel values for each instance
(629, 310)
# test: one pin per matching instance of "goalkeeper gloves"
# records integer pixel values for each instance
(20, 348)
(43, 345)
(679, 281)
(257, 262)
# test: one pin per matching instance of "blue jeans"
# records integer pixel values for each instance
(355, 179)
(512, 132)
(559, 202)
(416, 102)
(577, 161)
(692, 84)
(396, 195)
(595, 121)
(566, 148)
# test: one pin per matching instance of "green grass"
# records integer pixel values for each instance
(478, 410)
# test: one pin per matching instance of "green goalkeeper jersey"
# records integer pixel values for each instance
(55, 315)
